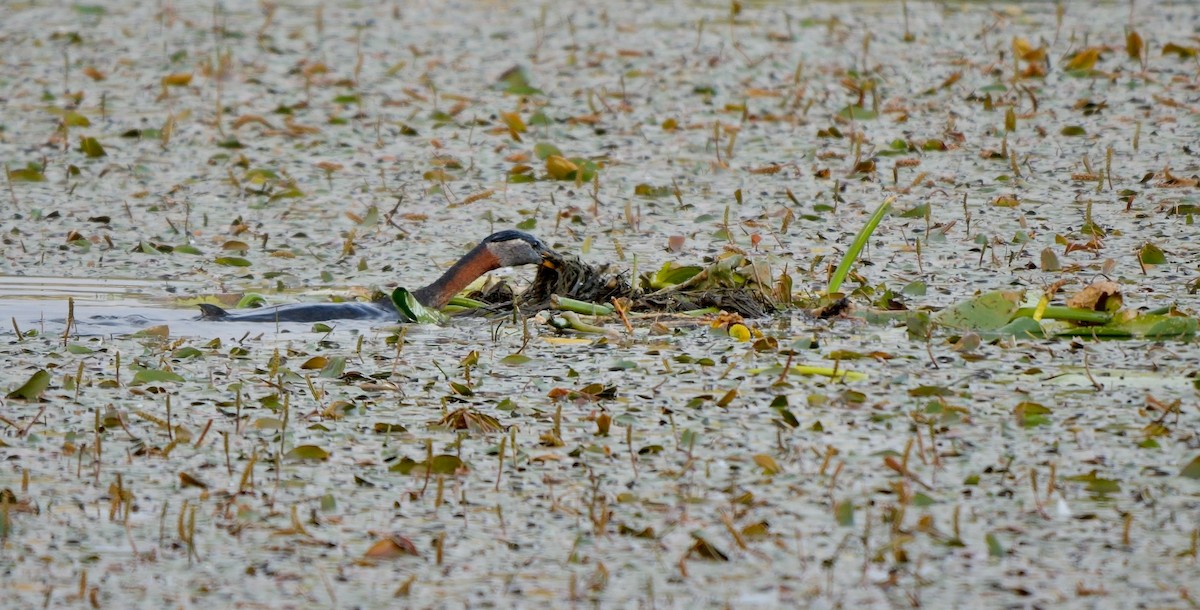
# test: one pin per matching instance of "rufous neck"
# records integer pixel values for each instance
(468, 268)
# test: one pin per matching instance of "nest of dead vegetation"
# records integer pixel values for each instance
(730, 284)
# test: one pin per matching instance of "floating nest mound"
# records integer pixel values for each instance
(573, 278)
(732, 284)
(746, 303)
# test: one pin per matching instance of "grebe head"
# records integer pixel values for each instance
(512, 248)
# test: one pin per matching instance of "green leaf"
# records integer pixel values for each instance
(251, 299)
(306, 452)
(921, 500)
(671, 274)
(445, 464)
(260, 175)
(232, 261)
(993, 545)
(516, 82)
(412, 310)
(291, 192)
(1021, 328)
(587, 169)
(91, 147)
(371, 218)
(440, 464)
(76, 348)
(1031, 414)
(465, 303)
(1192, 470)
(917, 325)
(581, 307)
(155, 376)
(406, 465)
(32, 172)
(388, 428)
(844, 513)
(74, 119)
(1144, 326)
(1095, 484)
(334, 368)
(523, 90)
(860, 241)
(1152, 255)
(515, 360)
(857, 113)
(544, 150)
(267, 423)
(33, 387)
(160, 331)
(786, 420)
(914, 289)
(926, 391)
(988, 311)
(652, 192)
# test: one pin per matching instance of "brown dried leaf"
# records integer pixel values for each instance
(560, 168)
(1085, 59)
(178, 79)
(392, 547)
(187, 480)
(246, 119)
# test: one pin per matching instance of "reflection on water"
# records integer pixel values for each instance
(103, 306)
(110, 317)
(118, 306)
(45, 287)
(123, 317)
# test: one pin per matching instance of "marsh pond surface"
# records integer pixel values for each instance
(162, 154)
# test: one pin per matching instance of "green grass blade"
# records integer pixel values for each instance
(860, 242)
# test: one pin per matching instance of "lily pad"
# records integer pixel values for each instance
(33, 388)
(156, 376)
(988, 311)
(671, 274)
(307, 452)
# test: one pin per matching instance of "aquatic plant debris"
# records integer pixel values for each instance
(734, 283)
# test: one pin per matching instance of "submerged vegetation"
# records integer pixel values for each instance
(861, 305)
